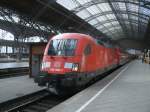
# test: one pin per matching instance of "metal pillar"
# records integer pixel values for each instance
(16, 40)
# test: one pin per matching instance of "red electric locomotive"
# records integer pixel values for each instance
(71, 60)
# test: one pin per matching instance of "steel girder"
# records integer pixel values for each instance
(95, 2)
(11, 43)
(112, 20)
(25, 21)
(143, 16)
(135, 22)
(124, 29)
(118, 13)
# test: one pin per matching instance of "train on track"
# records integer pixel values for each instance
(71, 60)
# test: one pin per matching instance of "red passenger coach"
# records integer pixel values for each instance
(71, 60)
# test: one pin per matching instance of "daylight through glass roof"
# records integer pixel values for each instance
(115, 18)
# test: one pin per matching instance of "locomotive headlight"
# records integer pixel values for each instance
(75, 67)
(68, 65)
(72, 66)
(46, 65)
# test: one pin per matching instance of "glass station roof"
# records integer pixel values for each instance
(115, 18)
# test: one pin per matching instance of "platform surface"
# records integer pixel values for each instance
(11, 88)
(13, 65)
(7, 60)
(125, 90)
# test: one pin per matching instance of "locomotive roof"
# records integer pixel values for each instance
(73, 35)
(102, 41)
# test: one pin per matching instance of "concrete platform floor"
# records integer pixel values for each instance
(13, 65)
(125, 90)
(14, 87)
(7, 60)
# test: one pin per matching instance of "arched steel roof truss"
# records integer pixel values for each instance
(104, 12)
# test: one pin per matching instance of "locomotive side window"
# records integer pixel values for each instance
(62, 47)
(87, 49)
(99, 42)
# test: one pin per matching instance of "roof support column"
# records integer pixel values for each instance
(18, 53)
(6, 49)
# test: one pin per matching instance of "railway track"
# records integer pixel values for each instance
(37, 102)
(40, 101)
(11, 72)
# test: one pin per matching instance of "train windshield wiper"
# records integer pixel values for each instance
(62, 47)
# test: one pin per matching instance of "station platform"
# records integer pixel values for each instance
(125, 90)
(13, 65)
(11, 88)
(7, 60)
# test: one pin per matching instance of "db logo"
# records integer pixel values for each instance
(57, 64)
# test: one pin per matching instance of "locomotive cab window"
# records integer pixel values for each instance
(62, 47)
(87, 49)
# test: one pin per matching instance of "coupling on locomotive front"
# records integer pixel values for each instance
(71, 60)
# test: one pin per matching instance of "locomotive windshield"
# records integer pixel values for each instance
(62, 47)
